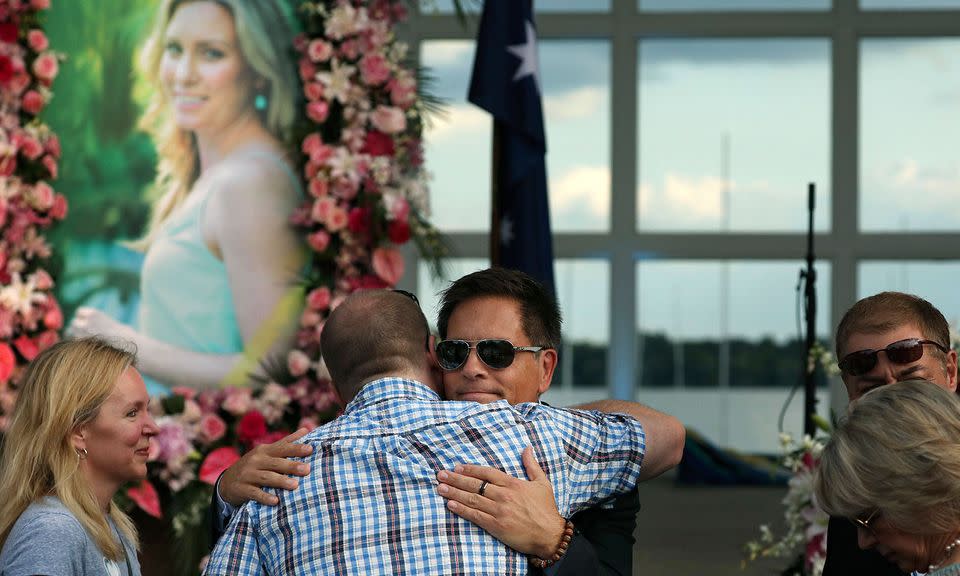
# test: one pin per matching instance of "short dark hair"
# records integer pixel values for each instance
(372, 334)
(539, 310)
(889, 310)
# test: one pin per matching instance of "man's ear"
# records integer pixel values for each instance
(547, 364)
(952, 370)
(432, 352)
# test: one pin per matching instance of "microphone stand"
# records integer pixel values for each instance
(809, 277)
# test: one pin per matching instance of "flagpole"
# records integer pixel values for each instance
(495, 195)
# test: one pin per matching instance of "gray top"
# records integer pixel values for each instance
(951, 570)
(48, 539)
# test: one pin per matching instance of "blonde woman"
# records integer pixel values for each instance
(80, 430)
(221, 257)
(893, 469)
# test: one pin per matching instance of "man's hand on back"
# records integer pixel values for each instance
(522, 514)
(266, 465)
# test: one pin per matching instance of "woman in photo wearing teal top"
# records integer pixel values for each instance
(217, 285)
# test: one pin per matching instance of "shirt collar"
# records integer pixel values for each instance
(391, 388)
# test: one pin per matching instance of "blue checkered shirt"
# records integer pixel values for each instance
(370, 505)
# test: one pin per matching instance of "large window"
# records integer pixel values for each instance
(682, 136)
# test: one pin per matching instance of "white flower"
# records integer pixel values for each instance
(20, 296)
(344, 164)
(345, 20)
(337, 82)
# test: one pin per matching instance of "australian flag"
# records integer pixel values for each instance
(506, 84)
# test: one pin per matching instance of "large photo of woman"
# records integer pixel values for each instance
(217, 283)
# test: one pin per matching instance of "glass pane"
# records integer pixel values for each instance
(577, 113)
(446, 6)
(708, 324)
(731, 132)
(933, 281)
(718, 346)
(458, 143)
(909, 118)
(583, 287)
(577, 109)
(728, 5)
(908, 4)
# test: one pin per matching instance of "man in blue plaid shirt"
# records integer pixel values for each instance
(370, 504)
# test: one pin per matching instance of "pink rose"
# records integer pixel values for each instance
(191, 412)
(319, 51)
(308, 71)
(322, 208)
(53, 317)
(52, 145)
(33, 102)
(30, 148)
(319, 240)
(46, 66)
(318, 111)
(59, 209)
(309, 318)
(26, 347)
(319, 298)
(403, 91)
(46, 339)
(51, 165)
(212, 428)
(337, 219)
(313, 91)
(40, 4)
(389, 119)
(42, 196)
(42, 280)
(37, 40)
(319, 187)
(388, 265)
(298, 363)
(311, 144)
(350, 49)
(374, 69)
(238, 401)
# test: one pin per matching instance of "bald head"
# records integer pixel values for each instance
(375, 334)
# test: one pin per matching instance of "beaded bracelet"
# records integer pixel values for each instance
(560, 551)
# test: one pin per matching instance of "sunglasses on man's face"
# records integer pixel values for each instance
(495, 353)
(901, 352)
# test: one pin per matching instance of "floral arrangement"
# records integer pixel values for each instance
(805, 539)
(29, 313)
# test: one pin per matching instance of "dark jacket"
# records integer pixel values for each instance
(845, 558)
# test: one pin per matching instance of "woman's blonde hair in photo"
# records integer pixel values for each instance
(265, 39)
(897, 450)
(62, 389)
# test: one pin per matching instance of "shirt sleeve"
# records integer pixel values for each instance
(225, 510)
(237, 551)
(602, 456)
(50, 545)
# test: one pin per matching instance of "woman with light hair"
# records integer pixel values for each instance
(217, 285)
(80, 430)
(893, 468)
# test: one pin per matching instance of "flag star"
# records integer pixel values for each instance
(506, 230)
(527, 53)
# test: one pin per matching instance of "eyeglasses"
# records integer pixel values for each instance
(495, 353)
(865, 523)
(901, 352)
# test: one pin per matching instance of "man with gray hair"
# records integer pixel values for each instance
(883, 339)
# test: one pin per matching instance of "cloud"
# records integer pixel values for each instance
(682, 201)
(582, 188)
(576, 103)
(458, 121)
